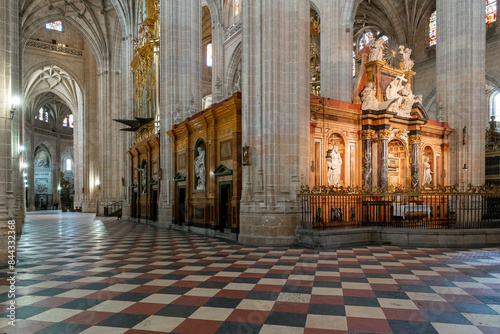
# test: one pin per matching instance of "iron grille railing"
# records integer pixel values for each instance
(470, 207)
(114, 209)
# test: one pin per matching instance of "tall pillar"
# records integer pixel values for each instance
(415, 166)
(384, 158)
(367, 160)
(276, 114)
(460, 67)
(336, 51)
(9, 127)
(180, 63)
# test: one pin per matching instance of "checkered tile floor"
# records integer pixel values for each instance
(79, 275)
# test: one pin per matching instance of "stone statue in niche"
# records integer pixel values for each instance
(200, 169)
(376, 49)
(144, 178)
(334, 165)
(427, 172)
(368, 98)
(407, 62)
(237, 85)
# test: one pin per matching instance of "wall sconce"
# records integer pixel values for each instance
(98, 185)
(24, 165)
(14, 104)
(22, 148)
(465, 167)
(464, 135)
(59, 188)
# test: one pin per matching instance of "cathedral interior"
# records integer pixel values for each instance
(258, 125)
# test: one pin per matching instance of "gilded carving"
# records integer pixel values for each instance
(415, 139)
(385, 134)
(368, 134)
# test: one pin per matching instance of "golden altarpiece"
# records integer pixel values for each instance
(208, 158)
(384, 138)
(144, 154)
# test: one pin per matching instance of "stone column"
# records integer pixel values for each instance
(384, 157)
(9, 74)
(276, 114)
(415, 161)
(367, 161)
(336, 51)
(460, 67)
(180, 64)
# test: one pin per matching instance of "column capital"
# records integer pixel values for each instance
(368, 134)
(415, 139)
(385, 134)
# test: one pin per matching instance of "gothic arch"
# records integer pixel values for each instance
(232, 68)
(56, 79)
(92, 27)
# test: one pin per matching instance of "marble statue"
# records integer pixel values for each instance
(368, 98)
(144, 178)
(407, 62)
(199, 169)
(427, 172)
(334, 166)
(408, 99)
(392, 91)
(376, 50)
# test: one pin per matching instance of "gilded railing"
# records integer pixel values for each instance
(453, 206)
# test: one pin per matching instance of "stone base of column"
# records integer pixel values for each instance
(164, 215)
(89, 206)
(268, 229)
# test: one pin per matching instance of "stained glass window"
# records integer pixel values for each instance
(365, 39)
(491, 11)
(143, 10)
(236, 7)
(209, 55)
(68, 164)
(56, 25)
(46, 116)
(353, 64)
(71, 123)
(65, 122)
(40, 114)
(432, 29)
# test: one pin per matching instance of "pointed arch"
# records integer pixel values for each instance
(232, 68)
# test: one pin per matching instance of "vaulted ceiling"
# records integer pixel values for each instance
(399, 19)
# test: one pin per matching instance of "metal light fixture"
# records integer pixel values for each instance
(98, 185)
(14, 104)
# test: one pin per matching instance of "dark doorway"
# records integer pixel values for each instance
(181, 206)
(225, 193)
(133, 212)
(154, 206)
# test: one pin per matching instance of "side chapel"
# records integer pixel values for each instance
(382, 139)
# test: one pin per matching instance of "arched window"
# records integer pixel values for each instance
(56, 25)
(491, 11)
(365, 39)
(353, 64)
(68, 166)
(432, 29)
(143, 10)
(68, 121)
(209, 55)
(495, 110)
(43, 115)
(236, 7)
